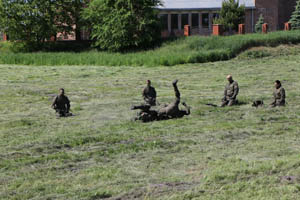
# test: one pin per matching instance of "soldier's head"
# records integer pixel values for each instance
(61, 91)
(148, 82)
(229, 78)
(277, 84)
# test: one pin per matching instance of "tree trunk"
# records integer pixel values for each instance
(77, 33)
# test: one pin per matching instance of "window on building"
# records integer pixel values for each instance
(216, 16)
(184, 20)
(195, 20)
(164, 21)
(174, 21)
(205, 20)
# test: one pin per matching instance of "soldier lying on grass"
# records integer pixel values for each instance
(167, 112)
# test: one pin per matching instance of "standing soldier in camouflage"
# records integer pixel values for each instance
(149, 94)
(172, 110)
(61, 104)
(230, 93)
(279, 95)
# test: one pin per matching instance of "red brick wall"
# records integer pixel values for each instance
(269, 9)
(275, 12)
(286, 8)
(249, 23)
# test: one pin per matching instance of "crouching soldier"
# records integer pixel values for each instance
(230, 93)
(172, 110)
(61, 104)
(279, 95)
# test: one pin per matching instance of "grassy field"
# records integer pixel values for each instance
(195, 49)
(215, 153)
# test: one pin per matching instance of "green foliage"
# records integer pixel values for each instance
(5, 46)
(119, 25)
(259, 23)
(36, 21)
(231, 14)
(218, 21)
(184, 50)
(70, 14)
(295, 18)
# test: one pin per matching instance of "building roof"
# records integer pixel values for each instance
(198, 4)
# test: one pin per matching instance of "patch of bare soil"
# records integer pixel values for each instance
(289, 179)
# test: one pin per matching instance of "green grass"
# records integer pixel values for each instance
(194, 49)
(215, 153)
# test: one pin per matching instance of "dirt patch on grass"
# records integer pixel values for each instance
(289, 179)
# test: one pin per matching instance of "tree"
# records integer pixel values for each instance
(35, 21)
(259, 23)
(231, 14)
(119, 25)
(70, 15)
(295, 18)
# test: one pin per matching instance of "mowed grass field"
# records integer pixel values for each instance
(215, 153)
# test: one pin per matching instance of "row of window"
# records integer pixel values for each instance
(185, 20)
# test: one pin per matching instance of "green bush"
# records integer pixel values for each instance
(231, 15)
(119, 25)
(295, 18)
(194, 49)
(259, 23)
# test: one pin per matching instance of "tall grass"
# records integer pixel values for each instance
(196, 49)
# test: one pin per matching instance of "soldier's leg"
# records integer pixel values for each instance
(231, 102)
(61, 113)
(142, 107)
(177, 93)
(224, 103)
(282, 103)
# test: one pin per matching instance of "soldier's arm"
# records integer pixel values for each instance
(68, 104)
(282, 94)
(53, 105)
(225, 91)
(273, 102)
(187, 108)
(144, 93)
(154, 93)
(236, 90)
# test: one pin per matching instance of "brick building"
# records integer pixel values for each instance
(199, 14)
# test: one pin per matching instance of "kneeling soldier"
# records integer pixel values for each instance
(149, 94)
(279, 95)
(61, 104)
(230, 93)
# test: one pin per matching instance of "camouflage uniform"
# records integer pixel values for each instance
(279, 97)
(146, 114)
(172, 110)
(167, 112)
(230, 93)
(61, 105)
(149, 95)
